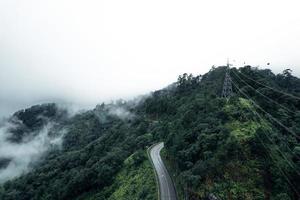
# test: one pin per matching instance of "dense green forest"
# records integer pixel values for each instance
(244, 147)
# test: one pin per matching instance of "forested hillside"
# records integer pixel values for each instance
(244, 147)
(99, 147)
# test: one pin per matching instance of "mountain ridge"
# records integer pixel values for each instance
(214, 145)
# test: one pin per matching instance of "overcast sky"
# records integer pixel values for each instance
(85, 51)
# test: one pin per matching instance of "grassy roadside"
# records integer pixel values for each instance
(135, 181)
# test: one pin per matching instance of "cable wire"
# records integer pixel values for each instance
(258, 113)
(274, 119)
(270, 139)
(278, 91)
(285, 108)
(271, 155)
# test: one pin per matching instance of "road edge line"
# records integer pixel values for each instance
(156, 175)
(168, 170)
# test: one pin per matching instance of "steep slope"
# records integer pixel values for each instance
(232, 149)
(95, 148)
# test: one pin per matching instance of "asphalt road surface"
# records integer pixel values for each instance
(167, 189)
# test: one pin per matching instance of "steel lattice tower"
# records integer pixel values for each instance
(227, 87)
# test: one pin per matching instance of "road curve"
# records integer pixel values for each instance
(166, 186)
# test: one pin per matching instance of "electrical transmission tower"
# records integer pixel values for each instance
(227, 87)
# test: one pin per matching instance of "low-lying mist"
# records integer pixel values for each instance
(17, 158)
(28, 135)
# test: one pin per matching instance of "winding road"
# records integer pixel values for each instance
(166, 187)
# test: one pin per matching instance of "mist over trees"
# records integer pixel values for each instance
(229, 148)
(27, 136)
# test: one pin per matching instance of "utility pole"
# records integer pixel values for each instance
(227, 86)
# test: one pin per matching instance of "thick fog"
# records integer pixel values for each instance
(85, 52)
(22, 156)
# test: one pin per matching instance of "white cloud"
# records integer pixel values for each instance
(89, 51)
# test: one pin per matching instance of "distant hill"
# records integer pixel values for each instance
(244, 147)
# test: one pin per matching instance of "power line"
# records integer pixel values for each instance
(281, 171)
(274, 119)
(270, 139)
(269, 152)
(277, 121)
(287, 94)
(289, 110)
(272, 101)
(278, 149)
(289, 149)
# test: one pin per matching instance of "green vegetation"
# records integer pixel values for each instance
(135, 181)
(95, 149)
(232, 149)
(223, 147)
